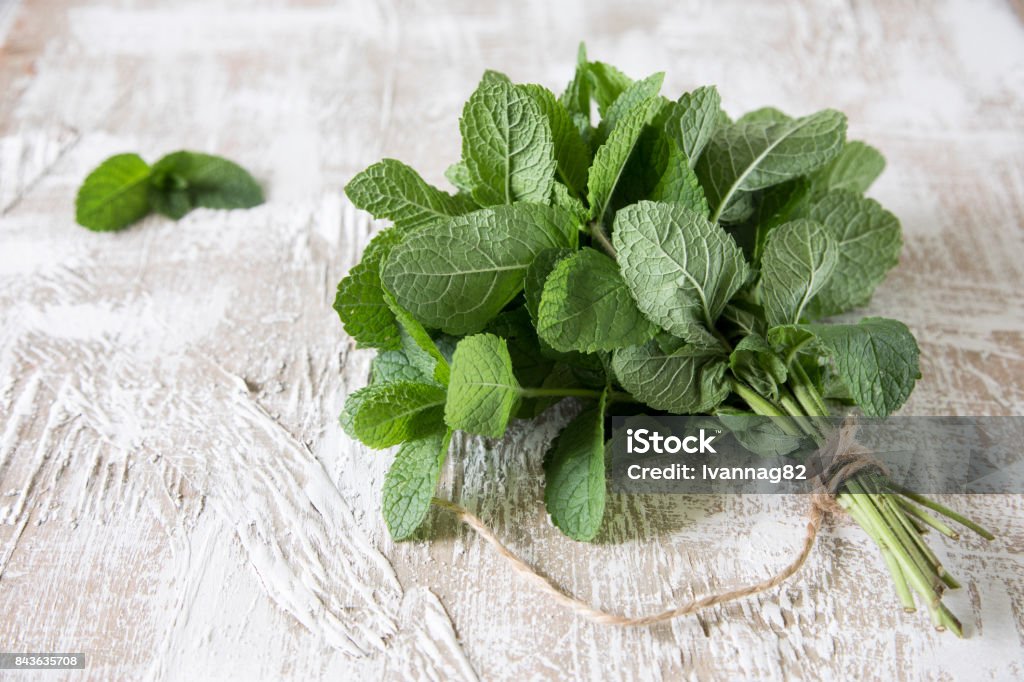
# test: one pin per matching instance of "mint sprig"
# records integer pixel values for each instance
(124, 189)
(663, 255)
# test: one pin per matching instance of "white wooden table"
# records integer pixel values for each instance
(176, 498)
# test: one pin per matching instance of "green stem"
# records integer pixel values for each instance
(790, 405)
(898, 578)
(598, 234)
(765, 408)
(927, 518)
(945, 511)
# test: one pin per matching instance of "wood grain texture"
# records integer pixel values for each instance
(176, 498)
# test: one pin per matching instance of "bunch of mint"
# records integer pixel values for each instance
(666, 255)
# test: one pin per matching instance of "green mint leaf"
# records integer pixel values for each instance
(209, 181)
(574, 478)
(764, 115)
(394, 366)
(681, 378)
(744, 157)
(761, 435)
(360, 298)
(537, 277)
(572, 155)
(561, 198)
(606, 84)
(411, 481)
(693, 119)
(678, 183)
(798, 262)
(576, 98)
(680, 268)
(507, 145)
(114, 195)
(458, 175)
(173, 203)
(635, 95)
(876, 359)
(587, 307)
(611, 158)
(388, 414)
(484, 391)
(422, 350)
(778, 204)
(457, 276)
(754, 362)
(393, 191)
(869, 242)
(857, 166)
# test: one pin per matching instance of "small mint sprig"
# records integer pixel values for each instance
(124, 189)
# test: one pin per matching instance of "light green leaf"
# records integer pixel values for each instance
(576, 98)
(561, 198)
(391, 190)
(635, 95)
(411, 481)
(114, 195)
(744, 157)
(692, 121)
(507, 145)
(388, 414)
(209, 181)
(876, 359)
(869, 242)
(537, 276)
(611, 157)
(456, 276)
(679, 183)
(394, 366)
(681, 378)
(483, 390)
(574, 477)
(606, 83)
(360, 298)
(761, 435)
(681, 269)
(586, 307)
(572, 155)
(458, 175)
(798, 261)
(765, 115)
(856, 167)
(422, 350)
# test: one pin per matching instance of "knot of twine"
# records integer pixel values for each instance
(845, 457)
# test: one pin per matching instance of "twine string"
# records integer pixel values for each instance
(846, 458)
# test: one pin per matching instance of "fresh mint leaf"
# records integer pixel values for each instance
(680, 378)
(606, 84)
(777, 205)
(857, 166)
(208, 181)
(587, 307)
(458, 175)
(422, 350)
(572, 155)
(389, 414)
(391, 190)
(561, 198)
(868, 240)
(798, 263)
(693, 119)
(456, 276)
(394, 366)
(360, 298)
(411, 481)
(574, 475)
(576, 98)
(483, 390)
(115, 194)
(744, 157)
(877, 359)
(764, 115)
(537, 277)
(507, 145)
(680, 268)
(611, 157)
(679, 183)
(637, 94)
